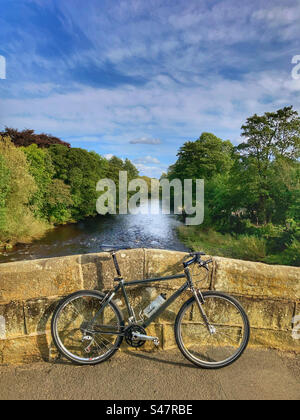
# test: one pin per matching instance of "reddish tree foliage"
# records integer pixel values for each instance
(27, 137)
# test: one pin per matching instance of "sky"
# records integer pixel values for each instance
(138, 78)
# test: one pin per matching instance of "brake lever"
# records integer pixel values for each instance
(204, 265)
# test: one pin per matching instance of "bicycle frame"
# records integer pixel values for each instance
(131, 315)
(122, 285)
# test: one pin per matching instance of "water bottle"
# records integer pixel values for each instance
(153, 307)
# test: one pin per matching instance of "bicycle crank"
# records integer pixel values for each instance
(138, 336)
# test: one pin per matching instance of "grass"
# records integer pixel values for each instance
(243, 247)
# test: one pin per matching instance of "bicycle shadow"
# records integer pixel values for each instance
(159, 360)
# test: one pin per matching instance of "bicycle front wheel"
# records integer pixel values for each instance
(224, 342)
(79, 336)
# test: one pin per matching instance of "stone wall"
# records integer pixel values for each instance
(30, 290)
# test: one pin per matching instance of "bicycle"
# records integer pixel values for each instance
(211, 329)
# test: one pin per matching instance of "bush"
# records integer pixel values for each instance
(243, 247)
(290, 256)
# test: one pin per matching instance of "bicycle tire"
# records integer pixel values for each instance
(55, 336)
(187, 353)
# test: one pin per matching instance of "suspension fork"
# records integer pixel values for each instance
(200, 301)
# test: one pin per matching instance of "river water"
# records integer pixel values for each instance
(136, 231)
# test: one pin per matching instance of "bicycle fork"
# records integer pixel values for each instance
(200, 302)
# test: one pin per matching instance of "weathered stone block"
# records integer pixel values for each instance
(25, 349)
(296, 323)
(2, 343)
(38, 314)
(159, 263)
(40, 278)
(281, 340)
(13, 319)
(269, 314)
(257, 279)
(169, 337)
(99, 271)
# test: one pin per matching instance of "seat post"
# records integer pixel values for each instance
(117, 267)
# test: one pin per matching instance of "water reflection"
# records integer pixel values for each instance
(137, 231)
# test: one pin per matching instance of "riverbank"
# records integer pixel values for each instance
(36, 233)
(243, 247)
(29, 239)
(88, 235)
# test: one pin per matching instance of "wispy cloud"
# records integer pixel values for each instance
(147, 160)
(124, 76)
(145, 140)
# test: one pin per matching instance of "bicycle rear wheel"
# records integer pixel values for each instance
(228, 338)
(77, 337)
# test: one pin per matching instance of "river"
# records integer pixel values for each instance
(135, 231)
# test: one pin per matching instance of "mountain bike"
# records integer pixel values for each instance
(211, 329)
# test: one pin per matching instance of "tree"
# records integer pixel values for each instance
(42, 170)
(19, 220)
(132, 171)
(28, 137)
(81, 170)
(270, 138)
(202, 159)
(4, 189)
(58, 202)
(271, 135)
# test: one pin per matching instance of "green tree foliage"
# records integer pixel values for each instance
(80, 170)
(46, 182)
(42, 170)
(132, 171)
(58, 202)
(202, 159)
(18, 187)
(4, 189)
(272, 142)
(253, 189)
(27, 137)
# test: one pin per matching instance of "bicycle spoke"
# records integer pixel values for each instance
(220, 345)
(71, 334)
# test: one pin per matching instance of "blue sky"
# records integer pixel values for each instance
(137, 78)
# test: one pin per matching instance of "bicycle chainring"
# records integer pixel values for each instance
(128, 335)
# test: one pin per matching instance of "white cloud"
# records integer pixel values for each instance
(173, 110)
(147, 160)
(145, 140)
(108, 156)
(150, 171)
(185, 91)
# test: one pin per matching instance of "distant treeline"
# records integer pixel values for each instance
(44, 181)
(252, 191)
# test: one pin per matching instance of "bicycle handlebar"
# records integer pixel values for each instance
(197, 259)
